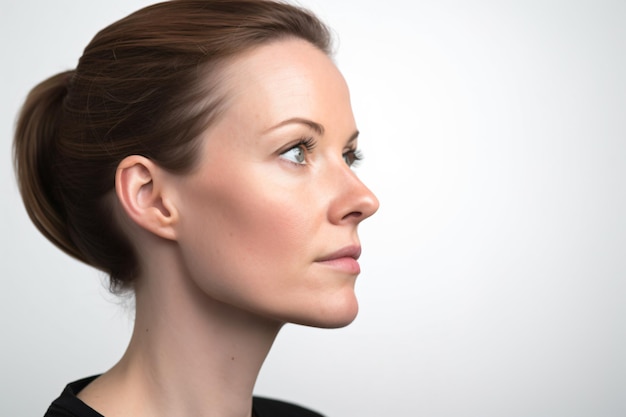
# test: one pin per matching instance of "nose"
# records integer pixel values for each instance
(353, 201)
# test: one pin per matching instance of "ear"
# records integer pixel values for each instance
(141, 188)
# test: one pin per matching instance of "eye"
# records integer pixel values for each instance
(297, 153)
(352, 157)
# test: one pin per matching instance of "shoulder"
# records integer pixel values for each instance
(265, 407)
(68, 404)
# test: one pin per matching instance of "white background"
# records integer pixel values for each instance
(494, 278)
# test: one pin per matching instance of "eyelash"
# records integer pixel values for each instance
(305, 146)
(356, 156)
(352, 157)
(307, 143)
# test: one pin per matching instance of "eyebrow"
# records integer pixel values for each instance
(318, 128)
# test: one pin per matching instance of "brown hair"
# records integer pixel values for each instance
(143, 86)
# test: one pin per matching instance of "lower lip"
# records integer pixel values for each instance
(347, 264)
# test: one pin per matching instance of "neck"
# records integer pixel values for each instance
(189, 355)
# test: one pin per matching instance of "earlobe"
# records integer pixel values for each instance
(142, 191)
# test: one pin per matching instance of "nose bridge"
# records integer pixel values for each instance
(352, 200)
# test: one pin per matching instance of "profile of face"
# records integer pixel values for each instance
(268, 219)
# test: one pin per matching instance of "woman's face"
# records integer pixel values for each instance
(268, 220)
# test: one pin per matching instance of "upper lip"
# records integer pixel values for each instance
(352, 251)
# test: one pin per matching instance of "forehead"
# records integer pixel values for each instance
(284, 78)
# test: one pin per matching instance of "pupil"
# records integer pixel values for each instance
(299, 155)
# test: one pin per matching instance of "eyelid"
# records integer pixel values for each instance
(308, 143)
(356, 156)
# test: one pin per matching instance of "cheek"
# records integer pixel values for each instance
(239, 234)
(251, 244)
(265, 228)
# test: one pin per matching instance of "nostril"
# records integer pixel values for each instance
(353, 214)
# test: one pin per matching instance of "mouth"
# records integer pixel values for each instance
(345, 259)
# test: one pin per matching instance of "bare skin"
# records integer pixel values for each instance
(262, 233)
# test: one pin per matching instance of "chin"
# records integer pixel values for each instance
(331, 315)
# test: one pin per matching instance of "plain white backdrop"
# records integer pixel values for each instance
(494, 274)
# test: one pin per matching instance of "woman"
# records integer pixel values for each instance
(201, 155)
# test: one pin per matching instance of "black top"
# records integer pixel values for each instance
(68, 405)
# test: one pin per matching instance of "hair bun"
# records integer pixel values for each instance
(34, 158)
